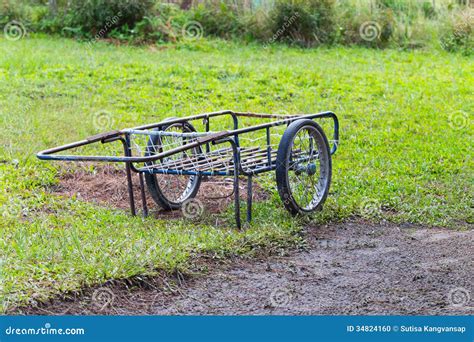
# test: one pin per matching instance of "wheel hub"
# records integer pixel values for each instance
(310, 169)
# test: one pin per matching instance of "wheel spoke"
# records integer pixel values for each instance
(306, 175)
(175, 188)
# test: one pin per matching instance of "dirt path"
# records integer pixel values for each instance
(352, 268)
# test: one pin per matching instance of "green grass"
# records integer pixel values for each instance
(405, 152)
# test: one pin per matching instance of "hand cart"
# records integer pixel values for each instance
(295, 146)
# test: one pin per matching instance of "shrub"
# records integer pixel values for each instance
(414, 34)
(400, 8)
(100, 17)
(372, 28)
(19, 11)
(429, 11)
(218, 19)
(258, 25)
(163, 24)
(304, 22)
(457, 33)
(9, 11)
(28, 17)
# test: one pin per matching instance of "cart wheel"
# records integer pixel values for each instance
(171, 191)
(303, 167)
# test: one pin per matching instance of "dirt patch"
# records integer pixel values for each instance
(107, 186)
(352, 268)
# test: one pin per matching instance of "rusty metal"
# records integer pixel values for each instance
(194, 156)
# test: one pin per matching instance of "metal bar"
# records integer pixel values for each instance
(253, 158)
(236, 126)
(142, 190)
(282, 122)
(186, 172)
(266, 116)
(207, 124)
(194, 163)
(249, 198)
(130, 189)
(46, 154)
(187, 118)
(269, 147)
(258, 159)
(236, 185)
(197, 160)
(206, 173)
(126, 144)
(219, 113)
(221, 166)
(168, 133)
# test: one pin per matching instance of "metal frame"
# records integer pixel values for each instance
(203, 139)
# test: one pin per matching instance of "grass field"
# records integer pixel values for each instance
(405, 152)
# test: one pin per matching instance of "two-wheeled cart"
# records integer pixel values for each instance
(172, 157)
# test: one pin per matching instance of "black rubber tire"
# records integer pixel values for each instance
(152, 182)
(283, 165)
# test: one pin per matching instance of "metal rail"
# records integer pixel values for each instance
(50, 154)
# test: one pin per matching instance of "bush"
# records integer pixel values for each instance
(304, 22)
(258, 25)
(457, 33)
(29, 15)
(163, 24)
(100, 17)
(429, 11)
(372, 28)
(218, 19)
(375, 23)
(400, 8)
(417, 33)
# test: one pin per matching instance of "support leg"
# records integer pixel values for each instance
(128, 168)
(237, 197)
(249, 198)
(142, 190)
(130, 189)
(236, 185)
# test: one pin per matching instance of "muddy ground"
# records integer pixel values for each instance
(108, 186)
(353, 268)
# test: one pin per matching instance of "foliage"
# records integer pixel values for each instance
(373, 28)
(308, 23)
(96, 16)
(20, 11)
(258, 25)
(219, 20)
(304, 22)
(405, 153)
(163, 24)
(457, 33)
